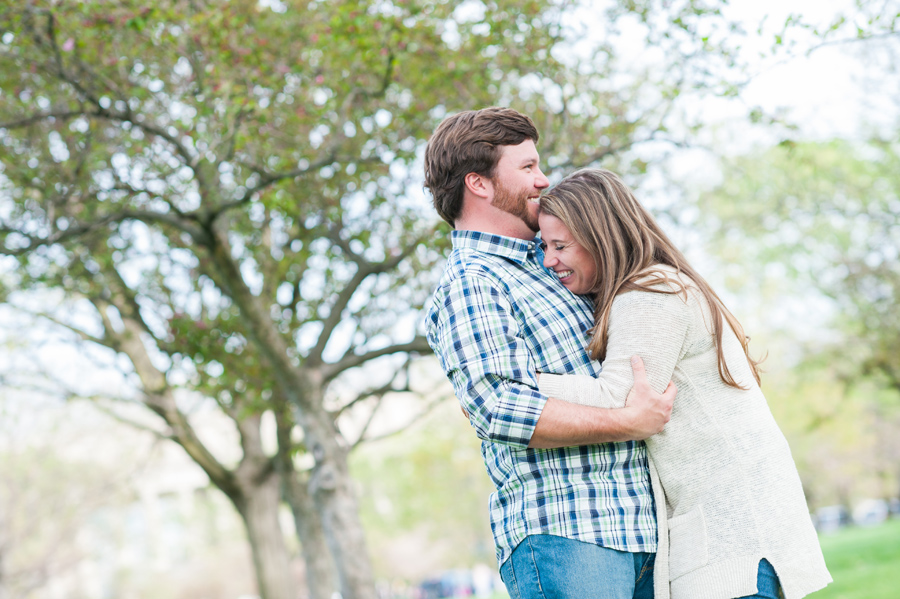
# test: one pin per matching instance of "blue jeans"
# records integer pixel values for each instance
(767, 585)
(549, 567)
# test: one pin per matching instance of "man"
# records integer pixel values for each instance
(573, 514)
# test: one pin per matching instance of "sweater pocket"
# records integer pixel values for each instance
(688, 543)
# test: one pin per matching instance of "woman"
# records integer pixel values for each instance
(733, 521)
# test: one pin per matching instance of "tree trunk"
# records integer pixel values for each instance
(321, 576)
(253, 487)
(330, 484)
(259, 509)
(332, 491)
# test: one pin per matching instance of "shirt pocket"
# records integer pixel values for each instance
(688, 543)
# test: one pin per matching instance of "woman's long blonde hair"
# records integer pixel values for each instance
(626, 243)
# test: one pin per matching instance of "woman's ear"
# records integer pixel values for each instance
(479, 185)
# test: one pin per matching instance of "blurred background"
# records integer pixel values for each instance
(215, 248)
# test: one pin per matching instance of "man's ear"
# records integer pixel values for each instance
(479, 185)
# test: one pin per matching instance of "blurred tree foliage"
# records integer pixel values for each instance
(861, 22)
(825, 218)
(44, 499)
(223, 195)
(828, 216)
(424, 498)
(822, 220)
(845, 438)
(46, 495)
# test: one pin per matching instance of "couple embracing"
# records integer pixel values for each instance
(566, 352)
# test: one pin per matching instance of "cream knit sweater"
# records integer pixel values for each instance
(730, 494)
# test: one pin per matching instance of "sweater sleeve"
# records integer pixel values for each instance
(653, 326)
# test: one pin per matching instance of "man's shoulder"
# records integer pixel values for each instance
(468, 267)
(471, 277)
(468, 276)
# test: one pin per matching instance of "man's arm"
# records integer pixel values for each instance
(481, 348)
(646, 412)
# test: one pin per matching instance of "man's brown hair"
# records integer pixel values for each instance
(469, 142)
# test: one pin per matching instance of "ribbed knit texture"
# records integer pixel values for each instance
(732, 492)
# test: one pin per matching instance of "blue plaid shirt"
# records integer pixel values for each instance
(497, 317)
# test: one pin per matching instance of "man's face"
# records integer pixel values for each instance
(518, 182)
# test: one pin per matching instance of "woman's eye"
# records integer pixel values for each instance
(559, 248)
(543, 246)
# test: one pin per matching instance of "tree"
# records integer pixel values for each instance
(44, 499)
(828, 215)
(819, 224)
(864, 22)
(227, 189)
(91, 507)
(424, 497)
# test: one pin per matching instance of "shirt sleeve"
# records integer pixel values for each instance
(484, 354)
(653, 326)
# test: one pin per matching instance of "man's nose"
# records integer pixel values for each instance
(541, 182)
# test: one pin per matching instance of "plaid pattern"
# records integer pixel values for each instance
(497, 317)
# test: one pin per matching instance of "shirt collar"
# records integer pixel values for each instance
(512, 248)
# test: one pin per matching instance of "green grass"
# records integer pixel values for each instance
(864, 562)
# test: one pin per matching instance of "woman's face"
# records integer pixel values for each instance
(562, 254)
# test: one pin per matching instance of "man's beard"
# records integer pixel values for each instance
(515, 204)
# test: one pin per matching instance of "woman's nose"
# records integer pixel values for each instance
(549, 261)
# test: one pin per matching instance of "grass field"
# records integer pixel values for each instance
(864, 562)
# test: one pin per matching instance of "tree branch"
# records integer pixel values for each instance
(158, 395)
(418, 345)
(232, 139)
(852, 40)
(43, 116)
(100, 112)
(381, 391)
(314, 358)
(427, 410)
(78, 230)
(127, 421)
(365, 269)
(380, 394)
(84, 336)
